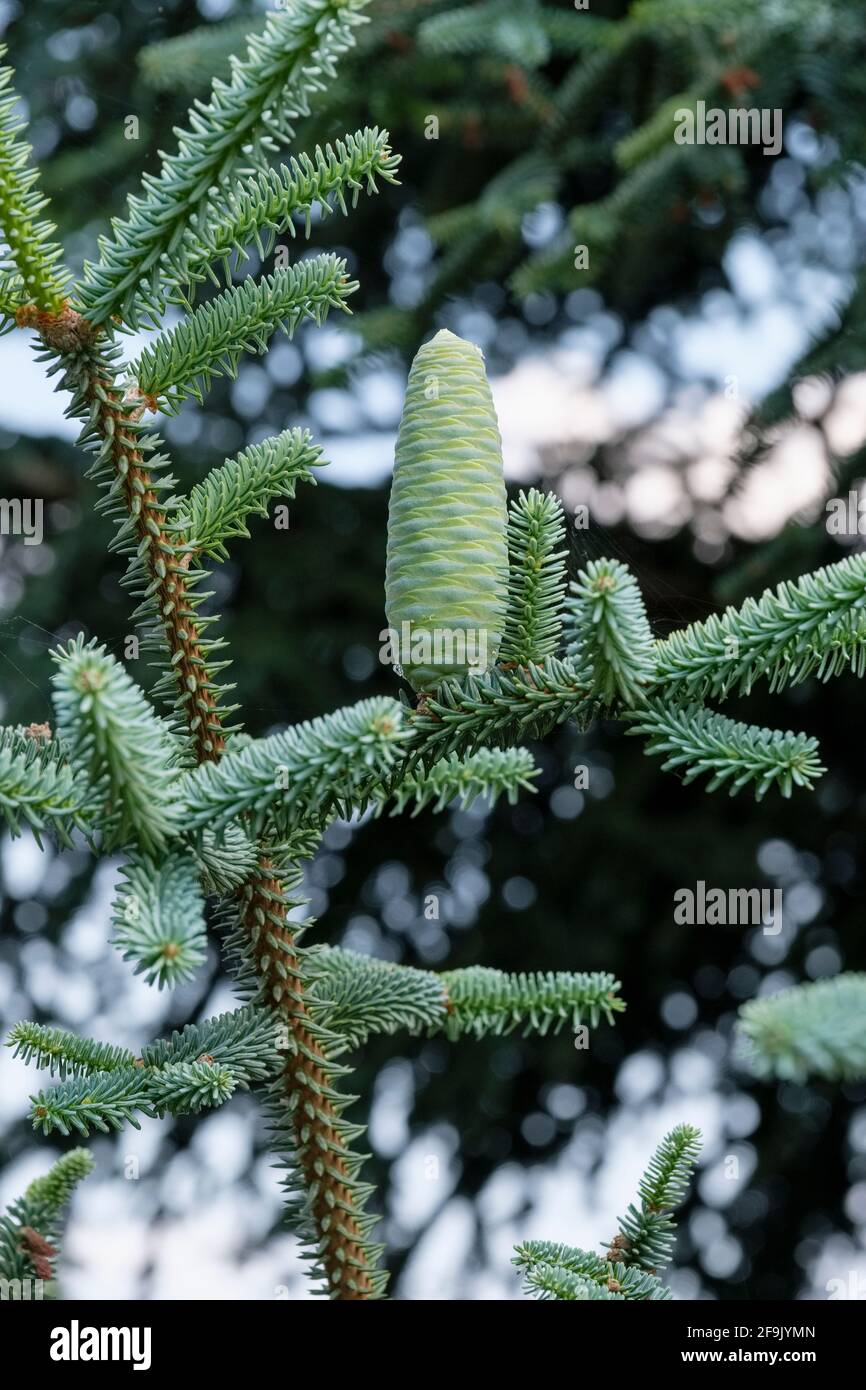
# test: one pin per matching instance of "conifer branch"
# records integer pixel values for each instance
(647, 1232)
(225, 857)
(185, 1088)
(498, 708)
(536, 579)
(642, 1247)
(116, 744)
(567, 1274)
(352, 1275)
(816, 625)
(663, 177)
(813, 1030)
(243, 1043)
(29, 1228)
(607, 631)
(213, 201)
(65, 1053)
(158, 918)
(482, 1000)
(200, 1066)
(54, 1189)
(513, 31)
(264, 207)
(313, 770)
(31, 266)
(210, 342)
(244, 120)
(735, 755)
(217, 508)
(356, 996)
(39, 790)
(109, 1100)
(489, 773)
(553, 1282)
(104, 1101)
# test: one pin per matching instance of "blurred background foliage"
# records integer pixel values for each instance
(552, 129)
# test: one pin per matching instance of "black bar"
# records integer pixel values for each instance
(181, 1337)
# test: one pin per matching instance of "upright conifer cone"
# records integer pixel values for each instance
(447, 566)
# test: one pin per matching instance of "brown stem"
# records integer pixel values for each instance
(167, 553)
(168, 561)
(307, 1085)
(304, 1077)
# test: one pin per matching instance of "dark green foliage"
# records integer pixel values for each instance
(506, 706)
(489, 1001)
(640, 1250)
(216, 509)
(28, 1228)
(608, 633)
(197, 1067)
(38, 789)
(357, 996)
(698, 741)
(244, 1041)
(647, 1229)
(225, 858)
(314, 770)
(813, 626)
(31, 269)
(262, 208)
(115, 745)
(158, 918)
(109, 1100)
(64, 1052)
(566, 1274)
(489, 773)
(183, 361)
(537, 578)
(813, 1030)
(245, 119)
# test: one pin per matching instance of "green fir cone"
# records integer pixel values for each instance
(447, 567)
